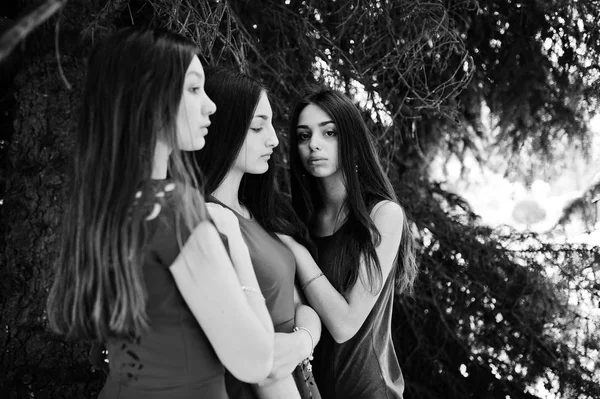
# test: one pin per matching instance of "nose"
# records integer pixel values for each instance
(314, 143)
(272, 140)
(208, 106)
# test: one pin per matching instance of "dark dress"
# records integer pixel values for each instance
(365, 366)
(275, 269)
(174, 359)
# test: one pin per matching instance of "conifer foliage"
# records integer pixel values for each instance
(496, 313)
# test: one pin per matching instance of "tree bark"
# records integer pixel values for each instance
(34, 361)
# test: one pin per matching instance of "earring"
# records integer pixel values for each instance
(356, 167)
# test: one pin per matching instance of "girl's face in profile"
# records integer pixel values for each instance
(317, 142)
(194, 109)
(260, 140)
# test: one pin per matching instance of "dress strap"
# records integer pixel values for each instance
(213, 199)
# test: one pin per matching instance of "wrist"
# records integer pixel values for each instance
(306, 341)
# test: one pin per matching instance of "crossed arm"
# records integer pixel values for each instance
(236, 322)
(290, 350)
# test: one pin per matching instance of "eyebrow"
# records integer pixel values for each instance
(195, 73)
(261, 116)
(320, 125)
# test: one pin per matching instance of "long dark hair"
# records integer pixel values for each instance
(366, 183)
(236, 96)
(131, 97)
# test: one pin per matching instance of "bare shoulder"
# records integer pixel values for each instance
(388, 216)
(387, 211)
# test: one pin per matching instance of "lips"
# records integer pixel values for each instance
(316, 160)
(205, 128)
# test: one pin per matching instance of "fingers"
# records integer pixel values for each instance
(212, 205)
(223, 218)
(287, 240)
(216, 211)
(283, 237)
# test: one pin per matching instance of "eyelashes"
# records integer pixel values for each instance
(302, 136)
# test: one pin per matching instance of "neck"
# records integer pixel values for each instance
(161, 161)
(228, 190)
(333, 193)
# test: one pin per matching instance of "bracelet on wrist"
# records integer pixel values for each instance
(306, 362)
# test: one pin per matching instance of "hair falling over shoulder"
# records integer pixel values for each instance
(131, 97)
(236, 96)
(366, 182)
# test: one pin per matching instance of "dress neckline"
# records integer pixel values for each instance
(212, 198)
(330, 235)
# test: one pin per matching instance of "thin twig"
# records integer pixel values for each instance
(56, 49)
(27, 24)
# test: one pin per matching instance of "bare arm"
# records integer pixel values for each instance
(284, 387)
(236, 322)
(308, 318)
(290, 350)
(344, 315)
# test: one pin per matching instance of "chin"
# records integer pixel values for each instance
(259, 170)
(321, 173)
(193, 146)
(199, 144)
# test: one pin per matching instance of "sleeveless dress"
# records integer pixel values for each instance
(174, 359)
(365, 366)
(275, 269)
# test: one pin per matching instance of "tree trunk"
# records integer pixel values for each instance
(34, 361)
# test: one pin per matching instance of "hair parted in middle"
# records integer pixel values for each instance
(366, 184)
(236, 96)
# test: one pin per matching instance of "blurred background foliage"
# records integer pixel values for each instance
(502, 85)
